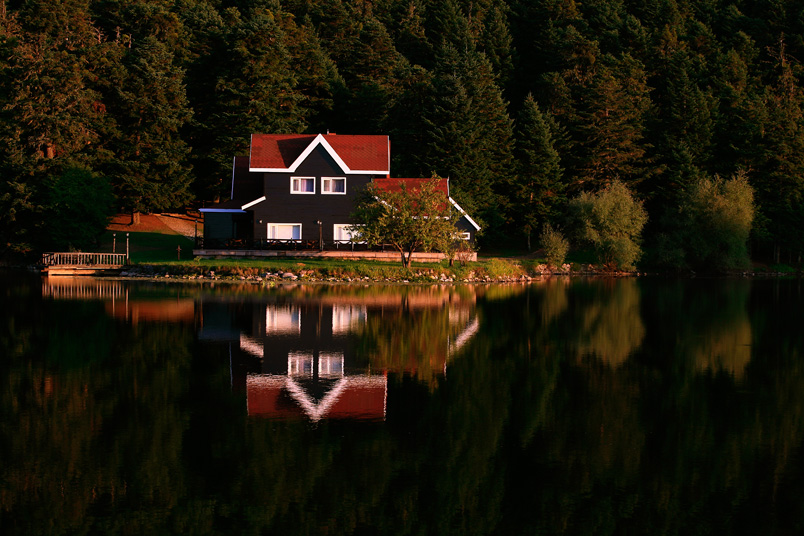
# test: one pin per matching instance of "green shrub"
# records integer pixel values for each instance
(717, 216)
(555, 246)
(502, 269)
(612, 221)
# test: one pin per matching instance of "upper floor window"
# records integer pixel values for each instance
(333, 185)
(302, 185)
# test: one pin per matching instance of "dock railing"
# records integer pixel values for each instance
(77, 258)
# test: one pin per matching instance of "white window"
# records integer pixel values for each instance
(282, 320)
(330, 364)
(333, 185)
(346, 318)
(284, 231)
(341, 232)
(302, 185)
(464, 236)
(300, 363)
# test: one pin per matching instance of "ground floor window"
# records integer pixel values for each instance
(342, 233)
(284, 231)
(464, 236)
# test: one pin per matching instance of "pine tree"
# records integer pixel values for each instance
(469, 134)
(686, 129)
(51, 116)
(537, 190)
(150, 171)
(255, 91)
(610, 134)
(779, 174)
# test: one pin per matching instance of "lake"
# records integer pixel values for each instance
(566, 406)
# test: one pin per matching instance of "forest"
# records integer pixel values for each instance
(140, 105)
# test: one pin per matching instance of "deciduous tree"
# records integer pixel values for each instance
(418, 218)
(611, 220)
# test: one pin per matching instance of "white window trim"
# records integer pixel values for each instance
(268, 230)
(324, 180)
(335, 229)
(300, 192)
(464, 235)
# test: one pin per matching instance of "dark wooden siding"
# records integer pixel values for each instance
(463, 225)
(281, 206)
(218, 225)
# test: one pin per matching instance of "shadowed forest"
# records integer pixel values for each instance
(140, 105)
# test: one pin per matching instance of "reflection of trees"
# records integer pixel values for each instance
(90, 420)
(415, 334)
(704, 324)
(138, 430)
(609, 321)
(594, 317)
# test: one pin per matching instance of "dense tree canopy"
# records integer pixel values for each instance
(522, 104)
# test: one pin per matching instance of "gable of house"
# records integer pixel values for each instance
(277, 153)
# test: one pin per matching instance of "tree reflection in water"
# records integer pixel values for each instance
(565, 406)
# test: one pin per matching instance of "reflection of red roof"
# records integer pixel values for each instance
(353, 397)
(282, 151)
(171, 311)
(395, 185)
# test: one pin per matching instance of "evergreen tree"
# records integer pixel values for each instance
(255, 91)
(150, 170)
(497, 44)
(779, 171)
(50, 114)
(612, 117)
(537, 191)
(469, 134)
(685, 129)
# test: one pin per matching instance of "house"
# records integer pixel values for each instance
(296, 192)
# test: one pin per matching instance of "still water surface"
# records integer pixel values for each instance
(628, 406)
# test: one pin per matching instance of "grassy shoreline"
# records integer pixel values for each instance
(169, 255)
(338, 270)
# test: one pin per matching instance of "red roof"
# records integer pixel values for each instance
(282, 152)
(361, 398)
(395, 185)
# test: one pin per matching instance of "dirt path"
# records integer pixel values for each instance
(182, 224)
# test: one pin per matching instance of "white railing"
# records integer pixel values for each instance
(77, 258)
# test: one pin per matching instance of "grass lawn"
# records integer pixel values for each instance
(176, 250)
(149, 247)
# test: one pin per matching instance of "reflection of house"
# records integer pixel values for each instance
(350, 397)
(297, 192)
(305, 355)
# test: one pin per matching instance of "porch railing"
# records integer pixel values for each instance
(77, 258)
(276, 244)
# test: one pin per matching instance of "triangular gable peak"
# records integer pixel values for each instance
(284, 153)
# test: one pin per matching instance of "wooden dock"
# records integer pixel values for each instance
(79, 263)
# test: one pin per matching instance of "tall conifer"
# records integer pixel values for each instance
(537, 191)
